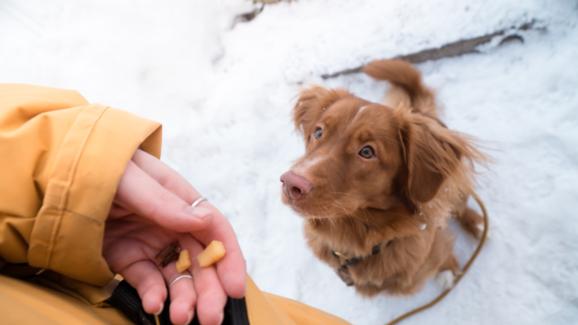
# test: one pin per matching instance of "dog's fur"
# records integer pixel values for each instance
(401, 199)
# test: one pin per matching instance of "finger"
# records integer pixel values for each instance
(146, 278)
(166, 176)
(183, 295)
(211, 295)
(231, 269)
(117, 211)
(140, 193)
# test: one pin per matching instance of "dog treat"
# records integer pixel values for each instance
(168, 254)
(184, 261)
(212, 254)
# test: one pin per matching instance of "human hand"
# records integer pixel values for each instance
(151, 210)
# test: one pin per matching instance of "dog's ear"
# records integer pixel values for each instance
(311, 104)
(431, 153)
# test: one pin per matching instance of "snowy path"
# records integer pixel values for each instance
(224, 97)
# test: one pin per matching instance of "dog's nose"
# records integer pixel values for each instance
(295, 186)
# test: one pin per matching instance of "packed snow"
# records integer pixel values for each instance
(224, 91)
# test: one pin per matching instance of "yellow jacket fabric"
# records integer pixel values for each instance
(61, 159)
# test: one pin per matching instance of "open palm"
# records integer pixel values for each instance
(152, 210)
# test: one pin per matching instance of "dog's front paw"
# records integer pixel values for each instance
(446, 279)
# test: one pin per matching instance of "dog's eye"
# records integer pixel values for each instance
(367, 152)
(318, 133)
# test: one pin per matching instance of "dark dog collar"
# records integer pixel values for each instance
(343, 270)
(356, 259)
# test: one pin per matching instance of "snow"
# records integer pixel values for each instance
(224, 94)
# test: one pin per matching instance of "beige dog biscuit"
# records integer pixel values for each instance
(212, 254)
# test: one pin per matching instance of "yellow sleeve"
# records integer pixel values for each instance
(60, 162)
(267, 308)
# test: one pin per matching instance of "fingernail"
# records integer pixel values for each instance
(160, 310)
(190, 318)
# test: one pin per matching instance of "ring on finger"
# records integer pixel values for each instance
(180, 277)
(198, 201)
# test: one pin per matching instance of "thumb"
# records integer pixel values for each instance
(142, 195)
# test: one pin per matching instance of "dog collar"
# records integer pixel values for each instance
(356, 259)
(374, 251)
(343, 270)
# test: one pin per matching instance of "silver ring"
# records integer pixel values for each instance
(198, 201)
(180, 277)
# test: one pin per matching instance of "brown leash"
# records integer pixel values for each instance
(443, 294)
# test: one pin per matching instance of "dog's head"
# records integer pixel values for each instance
(361, 155)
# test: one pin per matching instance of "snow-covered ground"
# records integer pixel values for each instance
(224, 93)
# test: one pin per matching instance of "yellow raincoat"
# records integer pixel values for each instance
(61, 159)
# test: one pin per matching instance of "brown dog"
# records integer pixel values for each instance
(377, 183)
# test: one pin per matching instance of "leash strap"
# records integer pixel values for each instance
(466, 267)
